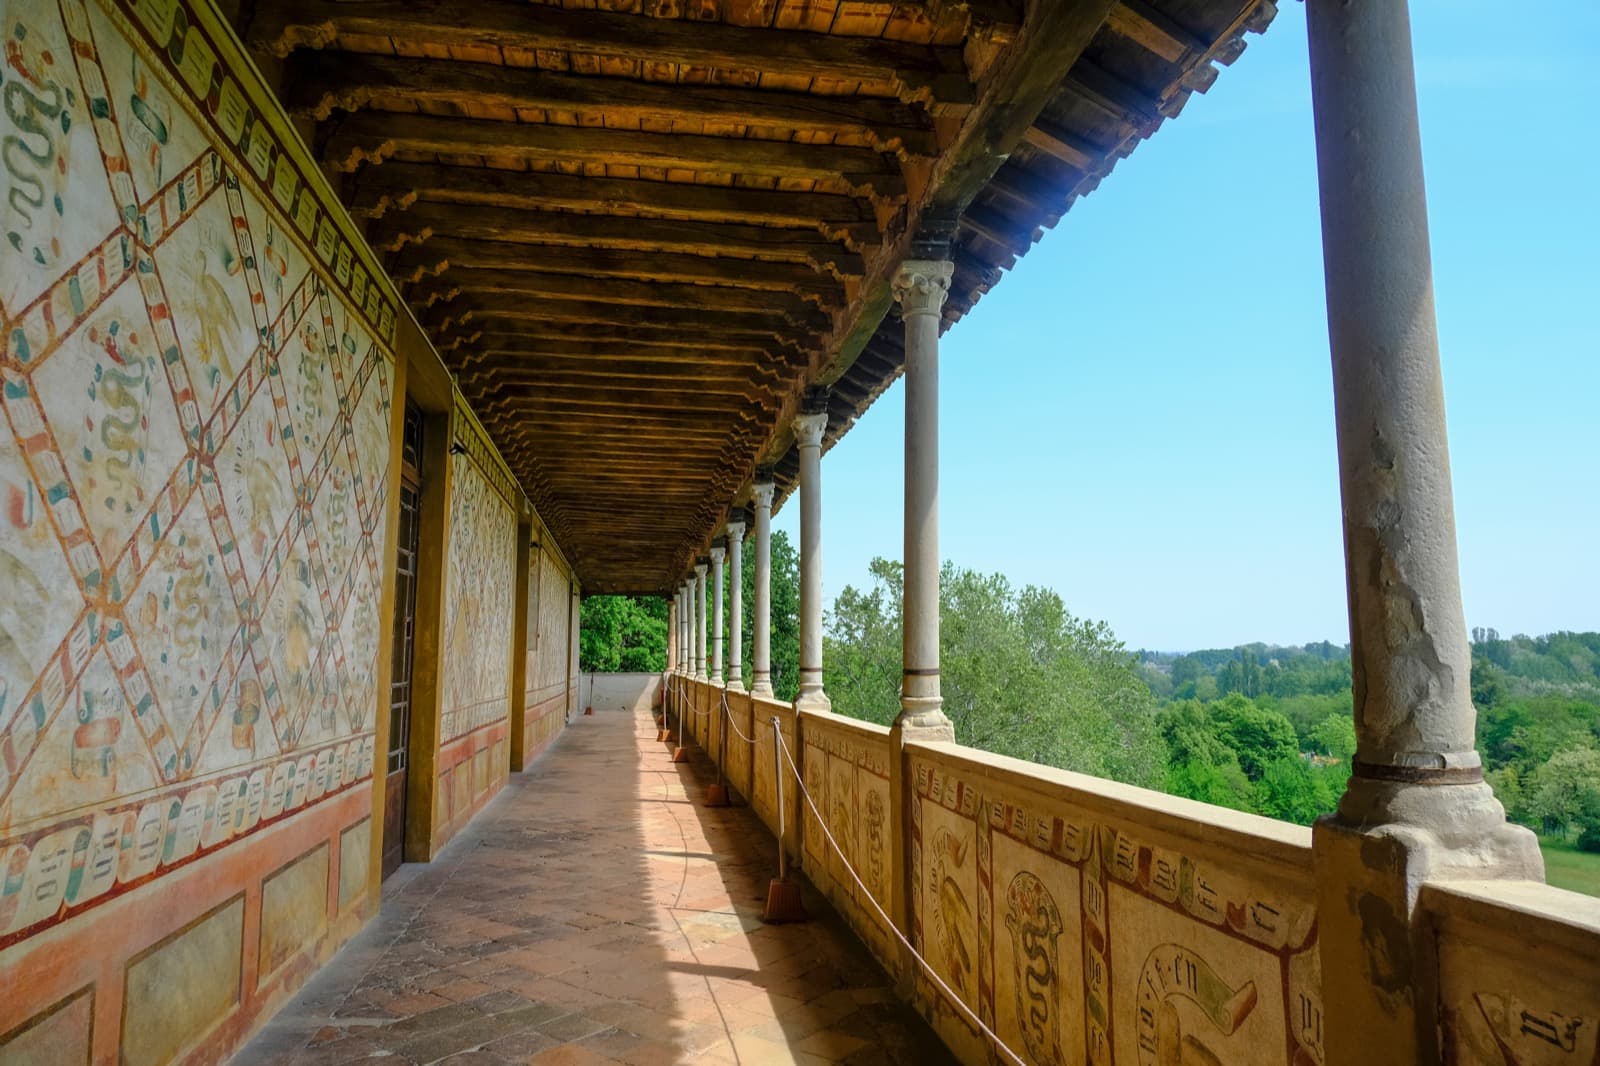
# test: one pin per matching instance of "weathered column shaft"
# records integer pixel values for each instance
(920, 286)
(672, 636)
(808, 430)
(1416, 808)
(718, 553)
(688, 627)
(700, 620)
(685, 652)
(1408, 640)
(761, 624)
(736, 604)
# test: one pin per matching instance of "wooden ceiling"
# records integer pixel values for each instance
(638, 230)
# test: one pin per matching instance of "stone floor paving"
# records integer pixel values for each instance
(596, 912)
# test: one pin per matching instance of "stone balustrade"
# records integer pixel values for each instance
(1087, 920)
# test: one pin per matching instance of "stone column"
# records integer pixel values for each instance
(677, 633)
(718, 553)
(688, 626)
(700, 620)
(920, 286)
(672, 635)
(1417, 806)
(761, 624)
(736, 602)
(808, 430)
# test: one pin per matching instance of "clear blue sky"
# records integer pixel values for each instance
(1140, 415)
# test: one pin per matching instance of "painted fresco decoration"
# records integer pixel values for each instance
(195, 392)
(39, 115)
(480, 603)
(1080, 940)
(1034, 922)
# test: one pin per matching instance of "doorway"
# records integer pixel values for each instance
(405, 628)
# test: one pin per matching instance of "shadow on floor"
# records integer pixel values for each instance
(596, 912)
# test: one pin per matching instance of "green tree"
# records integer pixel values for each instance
(1292, 789)
(1565, 791)
(1257, 735)
(623, 633)
(1020, 675)
(1335, 737)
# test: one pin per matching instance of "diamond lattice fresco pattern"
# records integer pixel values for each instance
(196, 426)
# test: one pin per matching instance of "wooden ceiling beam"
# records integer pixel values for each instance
(1065, 146)
(563, 229)
(686, 370)
(936, 75)
(628, 293)
(1143, 24)
(513, 335)
(622, 385)
(396, 186)
(511, 306)
(445, 256)
(319, 83)
(371, 137)
(601, 354)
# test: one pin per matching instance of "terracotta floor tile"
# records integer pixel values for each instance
(596, 913)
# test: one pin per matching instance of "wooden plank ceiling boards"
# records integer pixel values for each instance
(639, 229)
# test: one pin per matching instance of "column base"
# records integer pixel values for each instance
(813, 700)
(923, 718)
(716, 680)
(735, 685)
(1380, 985)
(762, 687)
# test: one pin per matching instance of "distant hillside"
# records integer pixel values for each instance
(1559, 664)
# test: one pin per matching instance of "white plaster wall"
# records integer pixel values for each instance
(620, 692)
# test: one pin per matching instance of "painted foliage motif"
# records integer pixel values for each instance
(189, 515)
(1078, 941)
(479, 606)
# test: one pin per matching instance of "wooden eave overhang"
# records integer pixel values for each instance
(638, 232)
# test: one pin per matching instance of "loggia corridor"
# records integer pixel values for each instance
(347, 345)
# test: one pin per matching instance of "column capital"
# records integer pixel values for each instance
(921, 285)
(761, 494)
(735, 530)
(718, 553)
(808, 429)
(700, 570)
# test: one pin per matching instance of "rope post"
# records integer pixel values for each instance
(717, 793)
(783, 895)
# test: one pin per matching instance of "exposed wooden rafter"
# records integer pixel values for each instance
(936, 75)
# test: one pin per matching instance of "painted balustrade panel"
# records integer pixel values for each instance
(1519, 973)
(738, 749)
(846, 771)
(1086, 921)
(763, 794)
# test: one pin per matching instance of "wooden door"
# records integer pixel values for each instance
(405, 626)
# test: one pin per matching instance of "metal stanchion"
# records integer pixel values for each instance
(783, 895)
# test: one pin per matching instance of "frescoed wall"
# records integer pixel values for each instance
(479, 612)
(549, 617)
(197, 385)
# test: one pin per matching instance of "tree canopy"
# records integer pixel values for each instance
(1020, 675)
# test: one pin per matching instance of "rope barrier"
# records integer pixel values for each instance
(949, 994)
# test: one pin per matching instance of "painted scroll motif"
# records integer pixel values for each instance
(1106, 947)
(190, 517)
